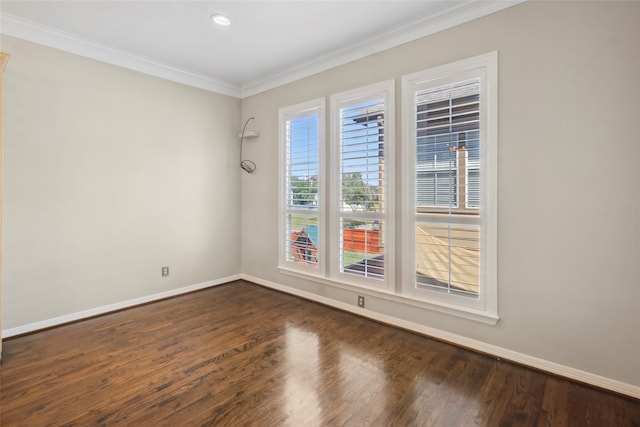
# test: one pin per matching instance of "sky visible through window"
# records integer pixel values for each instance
(363, 135)
(362, 144)
(303, 148)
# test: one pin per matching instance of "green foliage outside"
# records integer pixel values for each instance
(304, 190)
(356, 193)
(359, 195)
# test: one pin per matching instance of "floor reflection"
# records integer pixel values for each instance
(333, 379)
(302, 405)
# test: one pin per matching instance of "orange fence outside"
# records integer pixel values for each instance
(361, 240)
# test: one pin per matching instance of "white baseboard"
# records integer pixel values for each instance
(43, 324)
(499, 352)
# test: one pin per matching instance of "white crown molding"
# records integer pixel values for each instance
(47, 36)
(105, 309)
(459, 340)
(457, 14)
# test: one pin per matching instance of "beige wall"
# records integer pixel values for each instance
(109, 175)
(569, 181)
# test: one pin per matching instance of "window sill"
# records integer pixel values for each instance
(441, 307)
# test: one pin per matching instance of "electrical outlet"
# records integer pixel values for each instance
(360, 301)
(165, 271)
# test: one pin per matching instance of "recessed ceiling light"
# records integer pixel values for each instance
(220, 19)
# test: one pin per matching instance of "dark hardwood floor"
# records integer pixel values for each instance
(243, 355)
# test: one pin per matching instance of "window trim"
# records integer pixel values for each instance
(487, 303)
(386, 90)
(285, 114)
(399, 274)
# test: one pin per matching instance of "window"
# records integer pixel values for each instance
(450, 164)
(361, 228)
(301, 227)
(337, 201)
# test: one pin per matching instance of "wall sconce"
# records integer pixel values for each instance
(247, 165)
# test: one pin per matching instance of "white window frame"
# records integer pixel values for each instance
(284, 115)
(383, 90)
(486, 305)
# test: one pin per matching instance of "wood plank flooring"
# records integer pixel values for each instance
(243, 355)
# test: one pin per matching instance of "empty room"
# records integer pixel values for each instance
(320, 213)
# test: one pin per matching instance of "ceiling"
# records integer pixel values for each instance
(269, 43)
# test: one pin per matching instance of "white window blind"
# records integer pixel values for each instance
(362, 183)
(448, 145)
(301, 130)
(451, 140)
(447, 124)
(361, 123)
